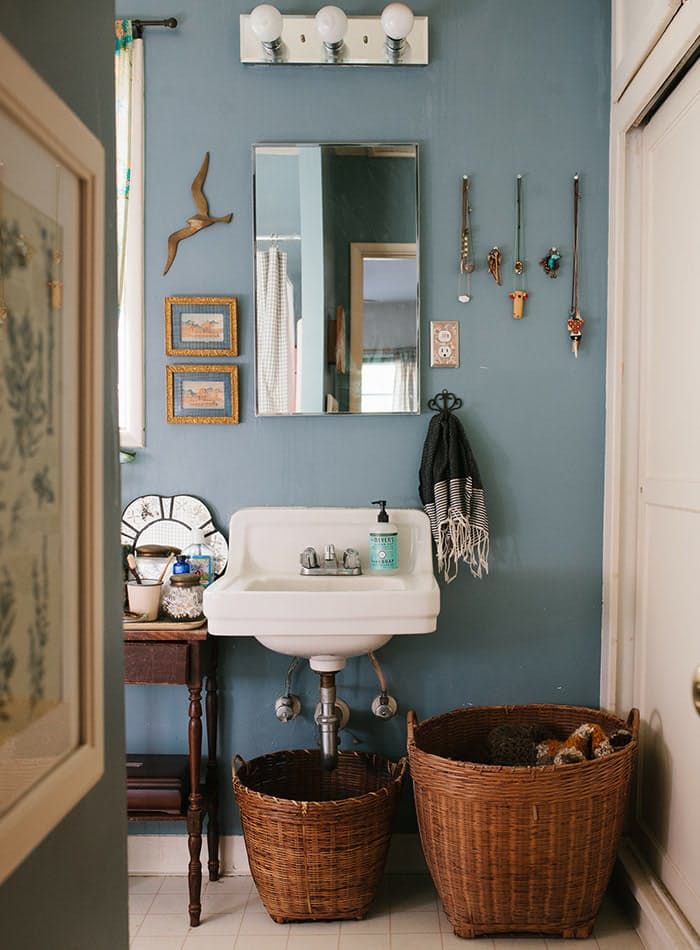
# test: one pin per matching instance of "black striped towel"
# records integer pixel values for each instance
(453, 498)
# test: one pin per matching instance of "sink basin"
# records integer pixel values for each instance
(323, 618)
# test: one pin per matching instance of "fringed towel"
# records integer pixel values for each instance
(453, 498)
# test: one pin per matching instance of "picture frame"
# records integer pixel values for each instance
(52, 196)
(201, 326)
(202, 393)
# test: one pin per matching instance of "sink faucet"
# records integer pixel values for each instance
(310, 565)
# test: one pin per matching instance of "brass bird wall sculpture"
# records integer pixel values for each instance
(198, 221)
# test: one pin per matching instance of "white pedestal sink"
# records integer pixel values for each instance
(323, 618)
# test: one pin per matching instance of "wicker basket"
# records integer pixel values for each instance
(316, 840)
(518, 849)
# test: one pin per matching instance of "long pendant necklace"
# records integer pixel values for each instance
(575, 322)
(466, 261)
(518, 295)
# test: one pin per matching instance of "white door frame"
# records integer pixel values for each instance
(618, 685)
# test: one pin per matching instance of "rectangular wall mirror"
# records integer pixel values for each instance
(336, 278)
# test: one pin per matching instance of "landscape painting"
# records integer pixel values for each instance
(200, 394)
(207, 327)
(201, 326)
(203, 395)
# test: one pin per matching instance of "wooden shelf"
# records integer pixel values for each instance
(160, 816)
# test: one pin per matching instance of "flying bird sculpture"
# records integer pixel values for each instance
(198, 221)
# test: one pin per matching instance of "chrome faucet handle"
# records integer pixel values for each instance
(309, 558)
(329, 553)
(351, 558)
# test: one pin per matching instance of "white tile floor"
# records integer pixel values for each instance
(405, 916)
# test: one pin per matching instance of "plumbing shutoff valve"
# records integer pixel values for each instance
(287, 707)
(384, 706)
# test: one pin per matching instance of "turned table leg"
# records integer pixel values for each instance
(212, 704)
(194, 809)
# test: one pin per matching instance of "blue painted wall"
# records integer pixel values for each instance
(512, 87)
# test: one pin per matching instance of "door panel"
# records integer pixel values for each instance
(638, 26)
(668, 585)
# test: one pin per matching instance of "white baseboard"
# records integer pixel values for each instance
(659, 922)
(168, 854)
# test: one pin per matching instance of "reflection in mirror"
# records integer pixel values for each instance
(336, 279)
(383, 359)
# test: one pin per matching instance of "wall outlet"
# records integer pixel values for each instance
(444, 343)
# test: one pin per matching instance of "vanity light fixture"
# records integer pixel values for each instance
(396, 38)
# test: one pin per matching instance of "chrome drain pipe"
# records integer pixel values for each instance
(328, 723)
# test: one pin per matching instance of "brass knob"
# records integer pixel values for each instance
(696, 690)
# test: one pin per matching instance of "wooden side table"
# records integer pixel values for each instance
(165, 654)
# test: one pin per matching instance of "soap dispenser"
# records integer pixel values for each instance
(383, 544)
(200, 557)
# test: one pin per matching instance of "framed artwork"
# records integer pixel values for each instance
(201, 326)
(51, 448)
(202, 393)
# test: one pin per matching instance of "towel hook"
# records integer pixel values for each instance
(450, 402)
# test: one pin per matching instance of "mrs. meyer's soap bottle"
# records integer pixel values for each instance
(383, 544)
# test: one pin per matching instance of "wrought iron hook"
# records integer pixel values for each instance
(450, 402)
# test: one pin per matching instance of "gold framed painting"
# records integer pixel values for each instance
(51, 450)
(202, 393)
(201, 326)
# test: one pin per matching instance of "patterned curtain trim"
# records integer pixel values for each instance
(123, 35)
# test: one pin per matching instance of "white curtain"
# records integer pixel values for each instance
(128, 67)
(273, 331)
(405, 379)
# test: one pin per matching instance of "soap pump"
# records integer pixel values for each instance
(383, 543)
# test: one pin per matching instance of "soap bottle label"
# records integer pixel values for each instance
(383, 552)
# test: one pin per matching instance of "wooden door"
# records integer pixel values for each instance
(668, 563)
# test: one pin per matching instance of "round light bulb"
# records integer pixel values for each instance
(266, 23)
(332, 25)
(397, 21)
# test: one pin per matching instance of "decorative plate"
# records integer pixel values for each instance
(169, 519)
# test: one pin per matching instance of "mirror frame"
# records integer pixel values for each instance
(379, 147)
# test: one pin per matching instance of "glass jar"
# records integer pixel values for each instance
(183, 598)
(152, 558)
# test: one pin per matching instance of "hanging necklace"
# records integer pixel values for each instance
(466, 261)
(493, 262)
(518, 295)
(575, 321)
(56, 260)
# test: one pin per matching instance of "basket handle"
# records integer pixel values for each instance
(411, 723)
(633, 721)
(235, 763)
(402, 768)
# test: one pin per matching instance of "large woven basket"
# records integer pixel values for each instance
(518, 849)
(317, 841)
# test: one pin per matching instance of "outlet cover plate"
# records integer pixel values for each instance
(444, 343)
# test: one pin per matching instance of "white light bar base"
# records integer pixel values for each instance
(364, 44)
